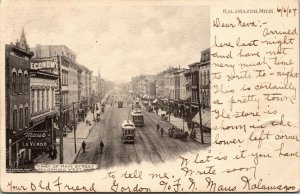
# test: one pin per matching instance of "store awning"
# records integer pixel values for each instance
(165, 99)
(205, 118)
(155, 101)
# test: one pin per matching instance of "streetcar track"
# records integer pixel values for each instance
(155, 149)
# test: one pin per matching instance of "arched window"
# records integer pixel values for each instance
(26, 116)
(47, 98)
(38, 100)
(20, 79)
(32, 98)
(15, 118)
(21, 117)
(200, 77)
(53, 98)
(14, 80)
(25, 82)
(208, 77)
(43, 99)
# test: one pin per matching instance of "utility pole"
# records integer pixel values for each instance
(169, 95)
(61, 138)
(199, 105)
(74, 127)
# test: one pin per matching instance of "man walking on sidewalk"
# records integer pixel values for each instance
(55, 153)
(157, 127)
(162, 132)
(83, 146)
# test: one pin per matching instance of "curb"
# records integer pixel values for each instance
(76, 156)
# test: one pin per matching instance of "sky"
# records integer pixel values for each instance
(120, 41)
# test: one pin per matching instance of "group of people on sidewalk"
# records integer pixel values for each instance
(192, 131)
(83, 146)
(52, 151)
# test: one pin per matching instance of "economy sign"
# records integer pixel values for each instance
(49, 63)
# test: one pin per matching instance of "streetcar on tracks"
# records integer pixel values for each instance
(120, 104)
(137, 118)
(137, 104)
(128, 131)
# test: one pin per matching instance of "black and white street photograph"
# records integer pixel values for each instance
(106, 85)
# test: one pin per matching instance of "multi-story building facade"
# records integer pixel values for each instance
(76, 80)
(95, 86)
(43, 85)
(204, 75)
(194, 86)
(17, 97)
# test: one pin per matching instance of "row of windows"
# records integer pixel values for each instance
(204, 78)
(40, 99)
(64, 80)
(19, 81)
(20, 117)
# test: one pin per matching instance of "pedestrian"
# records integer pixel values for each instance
(54, 153)
(157, 127)
(83, 146)
(101, 146)
(162, 132)
(50, 152)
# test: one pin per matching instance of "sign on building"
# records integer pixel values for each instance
(36, 140)
(48, 64)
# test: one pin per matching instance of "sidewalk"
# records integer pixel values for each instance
(83, 130)
(70, 155)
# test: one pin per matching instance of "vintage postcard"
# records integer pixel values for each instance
(149, 96)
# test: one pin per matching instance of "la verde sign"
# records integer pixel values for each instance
(36, 140)
(36, 144)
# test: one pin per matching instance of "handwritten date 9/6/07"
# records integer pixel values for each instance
(286, 11)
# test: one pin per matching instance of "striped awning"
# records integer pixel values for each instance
(205, 118)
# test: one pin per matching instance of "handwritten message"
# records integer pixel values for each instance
(254, 99)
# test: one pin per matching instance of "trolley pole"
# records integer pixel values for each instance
(199, 105)
(61, 138)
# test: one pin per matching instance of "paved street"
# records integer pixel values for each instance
(149, 145)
